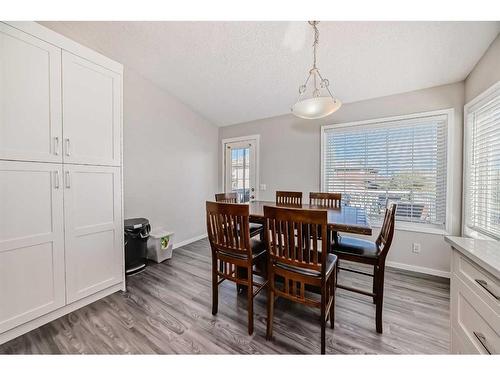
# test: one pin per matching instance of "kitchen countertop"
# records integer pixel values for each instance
(486, 253)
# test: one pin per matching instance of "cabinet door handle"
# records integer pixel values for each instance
(68, 153)
(56, 179)
(484, 284)
(68, 180)
(482, 340)
(56, 145)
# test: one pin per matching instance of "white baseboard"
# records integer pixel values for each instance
(425, 270)
(189, 240)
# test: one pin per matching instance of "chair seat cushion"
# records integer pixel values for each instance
(355, 246)
(331, 259)
(255, 229)
(258, 249)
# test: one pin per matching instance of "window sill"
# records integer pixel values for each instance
(471, 233)
(416, 228)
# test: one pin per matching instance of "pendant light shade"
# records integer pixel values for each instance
(314, 108)
(315, 98)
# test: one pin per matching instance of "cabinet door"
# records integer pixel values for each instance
(31, 241)
(91, 112)
(30, 97)
(93, 229)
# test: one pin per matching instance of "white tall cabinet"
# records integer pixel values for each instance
(91, 112)
(61, 220)
(93, 234)
(30, 97)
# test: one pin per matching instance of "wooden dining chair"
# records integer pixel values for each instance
(294, 261)
(327, 200)
(233, 249)
(226, 197)
(256, 229)
(293, 198)
(372, 253)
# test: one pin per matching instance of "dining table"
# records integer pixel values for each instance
(346, 219)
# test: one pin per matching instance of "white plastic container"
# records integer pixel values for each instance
(160, 245)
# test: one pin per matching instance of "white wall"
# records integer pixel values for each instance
(485, 73)
(290, 160)
(170, 159)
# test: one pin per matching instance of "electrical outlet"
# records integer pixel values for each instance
(263, 187)
(416, 248)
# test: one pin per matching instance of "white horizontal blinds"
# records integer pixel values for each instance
(401, 161)
(483, 179)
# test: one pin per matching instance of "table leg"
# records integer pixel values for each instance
(241, 272)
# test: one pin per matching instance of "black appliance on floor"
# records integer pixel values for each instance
(136, 244)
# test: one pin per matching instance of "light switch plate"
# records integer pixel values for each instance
(416, 248)
(263, 187)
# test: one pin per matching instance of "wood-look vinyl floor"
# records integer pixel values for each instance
(167, 310)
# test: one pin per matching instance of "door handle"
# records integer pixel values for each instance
(68, 180)
(482, 340)
(56, 145)
(484, 284)
(56, 179)
(67, 147)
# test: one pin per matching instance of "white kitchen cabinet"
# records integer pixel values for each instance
(93, 229)
(30, 97)
(61, 224)
(475, 296)
(31, 241)
(91, 112)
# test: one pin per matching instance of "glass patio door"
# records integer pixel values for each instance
(239, 169)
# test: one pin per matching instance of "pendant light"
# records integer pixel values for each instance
(311, 104)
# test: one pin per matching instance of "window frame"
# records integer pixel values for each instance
(471, 106)
(450, 164)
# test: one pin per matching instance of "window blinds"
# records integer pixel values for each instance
(482, 182)
(401, 161)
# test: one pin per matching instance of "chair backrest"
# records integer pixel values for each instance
(226, 197)
(293, 236)
(384, 239)
(228, 228)
(289, 198)
(328, 200)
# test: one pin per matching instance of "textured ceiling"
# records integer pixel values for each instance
(233, 72)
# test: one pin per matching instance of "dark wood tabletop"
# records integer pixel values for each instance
(344, 219)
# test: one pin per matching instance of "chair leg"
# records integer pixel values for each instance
(333, 285)
(380, 298)
(250, 301)
(323, 317)
(375, 283)
(270, 310)
(215, 287)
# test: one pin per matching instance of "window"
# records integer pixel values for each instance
(399, 160)
(482, 165)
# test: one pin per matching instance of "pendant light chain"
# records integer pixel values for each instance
(316, 40)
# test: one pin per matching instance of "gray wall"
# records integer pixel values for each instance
(170, 156)
(290, 159)
(485, 73)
